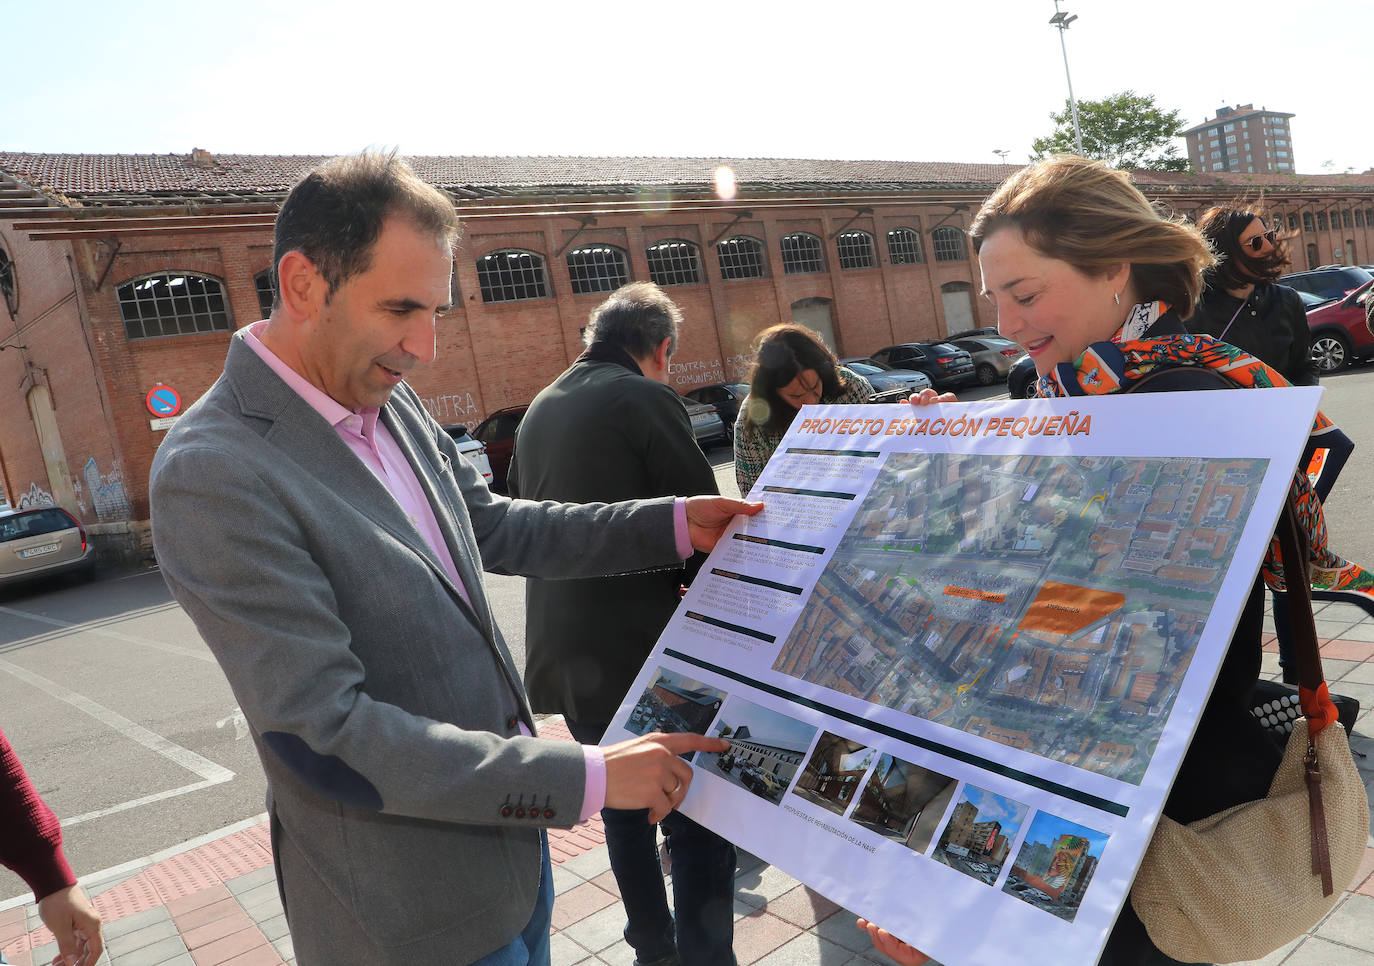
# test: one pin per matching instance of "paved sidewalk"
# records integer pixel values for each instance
(213, 901)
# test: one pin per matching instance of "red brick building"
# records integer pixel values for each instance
(124, 274)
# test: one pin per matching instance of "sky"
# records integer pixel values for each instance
(913, 80)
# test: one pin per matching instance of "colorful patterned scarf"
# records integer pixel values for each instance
(1107, 367)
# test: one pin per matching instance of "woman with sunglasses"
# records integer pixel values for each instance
(1242, 304)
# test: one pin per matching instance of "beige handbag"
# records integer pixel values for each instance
(1239, 884)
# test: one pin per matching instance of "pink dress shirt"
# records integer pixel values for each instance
(372, 442)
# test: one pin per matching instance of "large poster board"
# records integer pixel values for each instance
(960, 654)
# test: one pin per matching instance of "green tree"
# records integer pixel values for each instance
(1126, 130)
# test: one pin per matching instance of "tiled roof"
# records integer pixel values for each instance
(89, 176)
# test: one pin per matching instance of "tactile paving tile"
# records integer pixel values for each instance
(568, 843)
(261, 835)
(233, 856)
(129, 897)
(181, 875)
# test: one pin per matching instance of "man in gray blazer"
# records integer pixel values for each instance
(327, 538)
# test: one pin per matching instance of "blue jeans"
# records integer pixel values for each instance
(703, 882)
(531, 947)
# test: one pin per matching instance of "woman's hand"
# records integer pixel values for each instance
(889, 945)
(927, 397)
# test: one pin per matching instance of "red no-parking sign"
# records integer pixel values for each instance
(163, 401)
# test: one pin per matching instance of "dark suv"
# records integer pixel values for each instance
(1334, 282)
(948, 367)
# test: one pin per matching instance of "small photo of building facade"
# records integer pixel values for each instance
(977, 838)
(675, 703)
(766, 748)
(1055, 865)
(904, 802)
(834, 772)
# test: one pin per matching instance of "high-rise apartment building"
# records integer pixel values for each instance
(1242, 140)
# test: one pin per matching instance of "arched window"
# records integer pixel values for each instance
(674, 262)
(1359, 217)
(1307, 221)
(1312, 260)
(740, 257)
(856, 249)
(1346, 218)
(801, 254)
(1292, 222)
(172, 303)
(266, 293)
(904, 247)
(1321, 221)
(1369, 217)
(948, 244)
(596, 268)
(9, 285)
(511, 276)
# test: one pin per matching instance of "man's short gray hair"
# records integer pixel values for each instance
(636, 317)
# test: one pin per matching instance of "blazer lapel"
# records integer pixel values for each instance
(441, 499)
(298, 429)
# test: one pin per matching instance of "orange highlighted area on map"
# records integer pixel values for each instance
(972, 594)
(1068, 608)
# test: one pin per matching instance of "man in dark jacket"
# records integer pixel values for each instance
(610, 429)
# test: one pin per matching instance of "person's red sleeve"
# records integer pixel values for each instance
(31, 838)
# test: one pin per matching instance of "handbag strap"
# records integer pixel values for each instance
(1297, 572)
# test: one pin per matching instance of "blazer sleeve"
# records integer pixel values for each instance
(269, 605)
(1298, 368)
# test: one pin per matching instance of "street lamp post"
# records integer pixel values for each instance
(1062, 19)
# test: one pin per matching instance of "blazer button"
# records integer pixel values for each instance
(512, 722)
(549, 813)
(520, 812)
(506, 811)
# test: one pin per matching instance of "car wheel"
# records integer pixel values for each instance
(1330, 351)
(987, 375)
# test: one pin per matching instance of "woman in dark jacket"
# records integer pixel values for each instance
(1242, 304)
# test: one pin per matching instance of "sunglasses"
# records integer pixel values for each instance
(1256, 242)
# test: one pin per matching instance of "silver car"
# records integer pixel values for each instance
(993, 356)
(42, 542)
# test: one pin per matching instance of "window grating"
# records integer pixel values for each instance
(949, 245)
(1307, 221)
(1346, 218)
(801, 254)
(856, 249)
(172, 303)
(1321, 221)
(904, 247)
(266, 294)
(1359, 217)
(1292, 222)
(596, 268)
(511, 276)
(740, 257)
(674, 263)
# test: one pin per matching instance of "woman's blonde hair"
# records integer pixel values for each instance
(1091, 216)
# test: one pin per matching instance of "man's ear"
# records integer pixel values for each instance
(662, 354)
(300, 286)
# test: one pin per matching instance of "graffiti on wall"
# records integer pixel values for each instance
(698, 372)
(105, 492)
(457, 407)
(35, 497)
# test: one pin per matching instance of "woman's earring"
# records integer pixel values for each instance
(1117, 296)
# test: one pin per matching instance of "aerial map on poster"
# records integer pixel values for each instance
(960, 654)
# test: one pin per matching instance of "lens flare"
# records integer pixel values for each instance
(724, 179)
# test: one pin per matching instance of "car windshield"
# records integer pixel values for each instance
(864, 368)
(33, 524)
(944, 347)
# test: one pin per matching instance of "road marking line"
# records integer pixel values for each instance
(145, 800)
(201, 767)
(92, 627)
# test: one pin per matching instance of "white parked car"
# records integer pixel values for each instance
(474, 451)
(42, 542)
